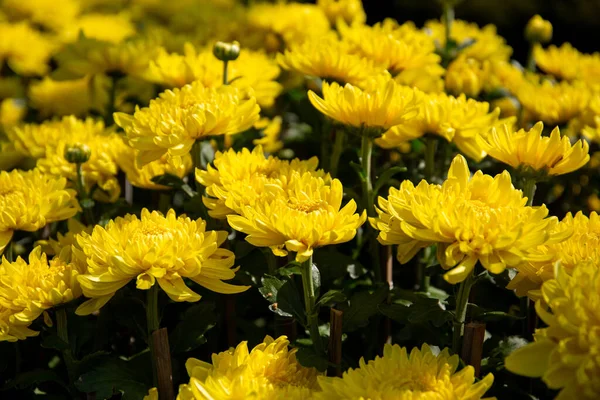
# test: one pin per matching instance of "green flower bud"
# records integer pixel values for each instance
(538, 30)
(226, 51)
(78, 153)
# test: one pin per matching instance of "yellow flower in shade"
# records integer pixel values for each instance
(269, 371)
(240, 179)
(304, 216)
(63, 243)
(330, 59)
(270, 130)
(487, 45)
(470, 219)
(9, 156)
(152, 394)
(288, 21)
(563, 62)
(12, 111)
(29, 288)
(399, 375)
(29, 200)
(375, 110)
(503, 75)
(530, 151)
(89, 56)
(172, 123)
(553, 103)
(73, 97)
(565, 354)
(467, 75)
(153, 249)
(407, 53)
(351, 11)
(24, 49)
(51, 14)
(582, 246)
(11, 86)
(456, 119)
(113, 28)
(252, 69)
(142, 177)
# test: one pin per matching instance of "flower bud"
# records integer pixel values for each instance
(538, 30)
(226, 51)
(78, 153)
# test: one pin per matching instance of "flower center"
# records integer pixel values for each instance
(306, 206)
(154, 230)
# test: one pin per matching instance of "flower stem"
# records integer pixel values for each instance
(448, 19)
(83, 195)
(225, 73)
(153, 323)
(312, 314)
(430, 148)
(366, 162)
(112, 95)
(462, 300)
(530, 59)
(10, 251)
(529, 190)
(63, 334)
(338, 148)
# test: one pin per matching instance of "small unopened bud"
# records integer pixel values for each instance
(78, 153)
(538, 30)
(226, 51)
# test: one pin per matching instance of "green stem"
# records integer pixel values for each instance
(462, 300)
(225, 73)
(312, 314)
(153, 323)
(112, 94)
(197, 161)
(83, 195)
(448, 19)
(530, 58)
(164, 202)
(271, 261)
(338, 149)
(365, 160)
(430, 148)
(10, 251)
(63, 334)
(529, 190)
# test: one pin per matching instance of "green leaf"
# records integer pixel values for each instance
(270, 287)
(330, 298)
(114, 376)
(386, 176)
(30, 378)
(310, 359)
(169, 180)
(483, 315)
(359, 170)
(334, 265)
(422, 307)
(363, 305)
(54, 342)
(207, 154)
(87, 203)
(292, 268)
(289, 301)
(396, 312)
(189, 333)
(316, 278)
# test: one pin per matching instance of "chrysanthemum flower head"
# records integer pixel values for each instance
(30, 199)
(565, 354)
(34, 286)
(467, 75)
(268, 371)
(351, 11)
(330, 59)
(25, 50)
(113, 28)
(240, 179)
(55, 15)
(470, 219)
(530, 151)
(172, 123)
(252, 69)
(371, 111)
(153, 249)
(12, 112)
(305, 215)
(563, 62)
(583, 246)
(399, 375)
(63, 243)
(270, 131)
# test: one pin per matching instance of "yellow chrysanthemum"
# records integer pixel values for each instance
(288, 21)
(467, 75)
(487, 45)
(153, 249)
(270, 130)
(582, 246)
(51, 14)
(25, 50)
(553, 103)
(470, 219)
(10, 157)
(113, 28)
(252, 69)
(399, 375)
(330, 59)
(376, 109)
(529, 150)
(565, 354)
(407, 53)
(456, 119)
(90, 56)
(269, 371)
(240, 179)
(503, 75)
(142, 177)
(63, 243)
(351, 11)
(30, 199)
(563, 62)
(172, 123)
(12, 111)
(29, 288)
(303, 216)
(73, 97)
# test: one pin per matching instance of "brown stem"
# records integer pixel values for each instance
(335, 342)
(472, 348)
(160, 347)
